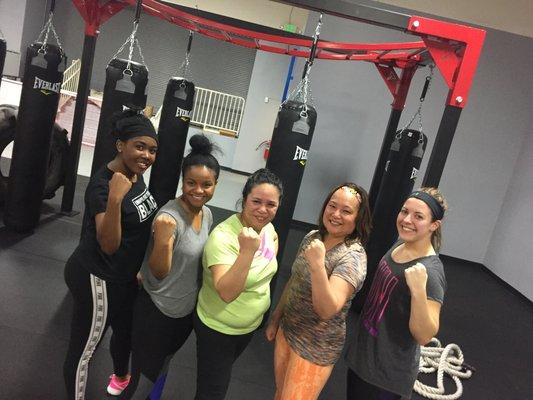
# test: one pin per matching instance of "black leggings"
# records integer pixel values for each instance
(216, 352)
(97, 305)
(156, 338)
(358, 389)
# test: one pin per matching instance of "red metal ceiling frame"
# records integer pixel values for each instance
(377, 53)
(385, 56)
(95, 15)
(455, 49)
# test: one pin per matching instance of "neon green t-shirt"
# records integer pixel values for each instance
(244, 314)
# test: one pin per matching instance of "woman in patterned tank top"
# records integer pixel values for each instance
(309, 322)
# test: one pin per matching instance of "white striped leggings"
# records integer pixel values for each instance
(97, 305)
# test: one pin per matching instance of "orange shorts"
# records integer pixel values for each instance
(297, 378)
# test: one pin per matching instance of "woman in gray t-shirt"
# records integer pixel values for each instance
(171, 274)
(403, 306)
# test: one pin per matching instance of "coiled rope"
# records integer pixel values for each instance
(447, 360)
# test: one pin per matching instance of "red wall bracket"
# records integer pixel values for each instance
(95, 15)
(397, 85)
(455, 49)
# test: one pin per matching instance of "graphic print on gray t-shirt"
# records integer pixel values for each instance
(379, 297)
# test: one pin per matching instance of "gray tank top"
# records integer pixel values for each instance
(176, 294)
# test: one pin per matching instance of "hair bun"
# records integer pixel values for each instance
(118, 120)
(200, 144)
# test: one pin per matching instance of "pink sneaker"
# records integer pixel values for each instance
(116, 386)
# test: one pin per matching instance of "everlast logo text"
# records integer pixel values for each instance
(180, 112)
(47, 86)
(300, 154)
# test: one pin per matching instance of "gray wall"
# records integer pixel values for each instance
(353, 109)
(510, 252)
(11, 24)
(215, 65)
(267, 83)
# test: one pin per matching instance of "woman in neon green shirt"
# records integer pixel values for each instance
(239, 261)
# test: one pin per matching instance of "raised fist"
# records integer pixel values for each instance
(315, 253)
(416, 277)
(249, 240)
(164, 228)
(119, 185)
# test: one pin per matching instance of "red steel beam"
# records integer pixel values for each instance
(454, 48)
(249, 38)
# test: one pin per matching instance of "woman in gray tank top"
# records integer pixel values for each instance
(171, 274)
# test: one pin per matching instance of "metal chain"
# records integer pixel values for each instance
(184, 68)
(305, 91)
(46, 31)
(302, 92)
(132, 40)
(56, 37)
(318, 27)
(418, 112)
(140, 53)
(120, 49)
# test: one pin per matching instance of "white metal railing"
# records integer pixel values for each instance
(217, 111)
(71, 77)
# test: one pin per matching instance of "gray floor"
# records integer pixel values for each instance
(488, 320)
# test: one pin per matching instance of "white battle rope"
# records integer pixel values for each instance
(447, 360)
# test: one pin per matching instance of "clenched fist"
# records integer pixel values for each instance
(164, 228)
(315, 254)
(249, 240)
(416, 278)
(119, 185)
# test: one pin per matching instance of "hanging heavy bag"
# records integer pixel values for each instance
(57, 163)
(43, 75)
(401, 170)
(3, 52)
(291, 139)
(125, 87)
(172, 133)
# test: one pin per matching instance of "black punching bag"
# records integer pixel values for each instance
(172, 132)
(124, 88)
(290, 143)
(3, 51)
(43, 75)
(401, 170)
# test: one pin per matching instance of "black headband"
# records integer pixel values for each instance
(134, 126)
(432, 203)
